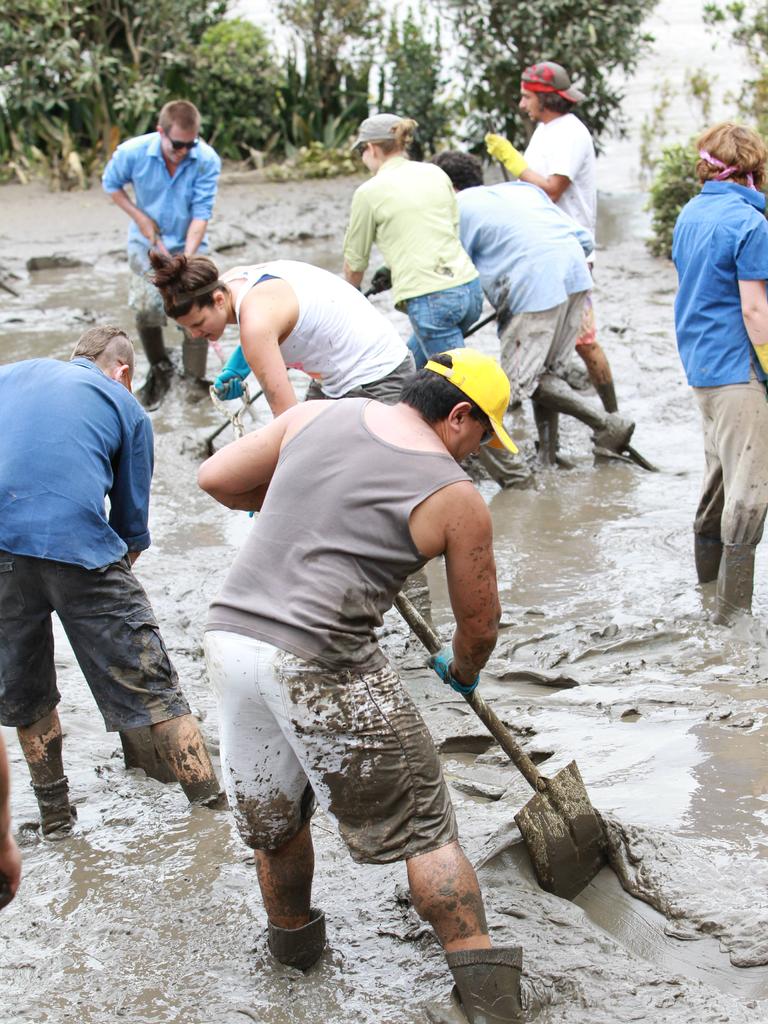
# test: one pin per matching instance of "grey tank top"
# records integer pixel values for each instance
(331, 546)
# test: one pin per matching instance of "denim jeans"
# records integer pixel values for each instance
(440, 319)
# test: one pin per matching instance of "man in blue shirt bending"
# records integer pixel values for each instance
(531, 258)
(174, 175)
(61, 458)
(720, 250)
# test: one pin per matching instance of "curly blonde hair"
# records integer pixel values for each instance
(736, 146)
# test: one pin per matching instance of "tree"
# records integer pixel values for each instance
(234, 81)
(327, 75)
(500, 38)
(414, 77)
(748, 22)
(76, 76)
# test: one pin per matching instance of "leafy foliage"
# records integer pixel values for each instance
(234, 81)
(674, 184)
(314, 161)
(71, 72)
(748, 22)
(500, 38)
(335, 42)
(414, 79)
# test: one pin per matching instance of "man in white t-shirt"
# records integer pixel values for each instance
(560, 159)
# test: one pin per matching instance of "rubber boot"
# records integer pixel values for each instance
(607, 395)
(194, 356)
(611, 431)
(152, 391)
(735, 582)
(707, 553)
(546, 420)
(57, 815)
(298, 947)
(488, 984)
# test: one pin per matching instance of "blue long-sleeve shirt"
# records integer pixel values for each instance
(71, 438)
(171, 200)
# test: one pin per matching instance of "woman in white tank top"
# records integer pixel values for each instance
(290, 315)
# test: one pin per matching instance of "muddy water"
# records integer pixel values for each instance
(151, 913)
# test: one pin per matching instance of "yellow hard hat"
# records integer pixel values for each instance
(482, 379)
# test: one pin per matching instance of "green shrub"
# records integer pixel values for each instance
(314, 161)
(674, 184)
(234, 84)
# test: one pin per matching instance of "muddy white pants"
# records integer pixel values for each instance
(290, 727)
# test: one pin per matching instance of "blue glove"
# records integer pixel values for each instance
(441, 663)
(229, 383)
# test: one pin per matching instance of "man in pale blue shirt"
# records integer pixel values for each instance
(174, 175)
(61, 551)
(531, 258)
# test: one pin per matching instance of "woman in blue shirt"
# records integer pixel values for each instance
(720, 250)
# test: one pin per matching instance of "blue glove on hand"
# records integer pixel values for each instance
(229, 383)
(441, 663)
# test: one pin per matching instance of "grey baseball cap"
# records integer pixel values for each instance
(378, 128)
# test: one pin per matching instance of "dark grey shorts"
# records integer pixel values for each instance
(110, 624)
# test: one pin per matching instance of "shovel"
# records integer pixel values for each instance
(562, 831)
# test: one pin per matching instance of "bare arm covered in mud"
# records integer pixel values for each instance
(239, 475)
(456, 522)
(10, 858)
(268, 315)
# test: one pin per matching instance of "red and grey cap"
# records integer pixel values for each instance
(546, 76)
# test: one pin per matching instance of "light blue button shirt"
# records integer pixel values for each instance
(529, 254)
(171, 200)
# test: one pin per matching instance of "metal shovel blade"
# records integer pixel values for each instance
(564, 835)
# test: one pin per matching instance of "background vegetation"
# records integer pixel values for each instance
(77, 76)
(675, 179)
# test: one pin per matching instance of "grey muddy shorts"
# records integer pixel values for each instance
(113, 632)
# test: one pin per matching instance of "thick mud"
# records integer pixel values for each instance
(151, 913)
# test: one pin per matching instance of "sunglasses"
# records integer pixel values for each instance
(178, 144)
(488, 433)
(361, 148)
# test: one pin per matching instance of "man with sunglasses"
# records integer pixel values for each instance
(174, 176)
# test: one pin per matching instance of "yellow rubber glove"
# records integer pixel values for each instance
(501, 149)
(761, 351)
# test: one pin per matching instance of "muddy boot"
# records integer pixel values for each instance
(194, 356)
(734, 582)
(298, 947)
(160, 372)
(57, 815)
(611, 431)
(707, 552)
(487, 987)
(546, 427)
(607, 395)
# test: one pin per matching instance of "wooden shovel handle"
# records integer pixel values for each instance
(489, 718)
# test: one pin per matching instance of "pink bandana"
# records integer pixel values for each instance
(726, 171)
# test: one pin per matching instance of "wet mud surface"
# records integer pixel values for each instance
(150, 913)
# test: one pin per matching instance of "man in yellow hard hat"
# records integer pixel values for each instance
(309, 707)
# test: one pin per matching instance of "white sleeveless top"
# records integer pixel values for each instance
(339, 338)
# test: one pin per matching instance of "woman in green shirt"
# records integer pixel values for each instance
(409, 210)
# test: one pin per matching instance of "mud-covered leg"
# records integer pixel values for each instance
(611, 430)
(599, 370)
(180, 745)
(41, 744)
(446, 893)
(296, 930)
